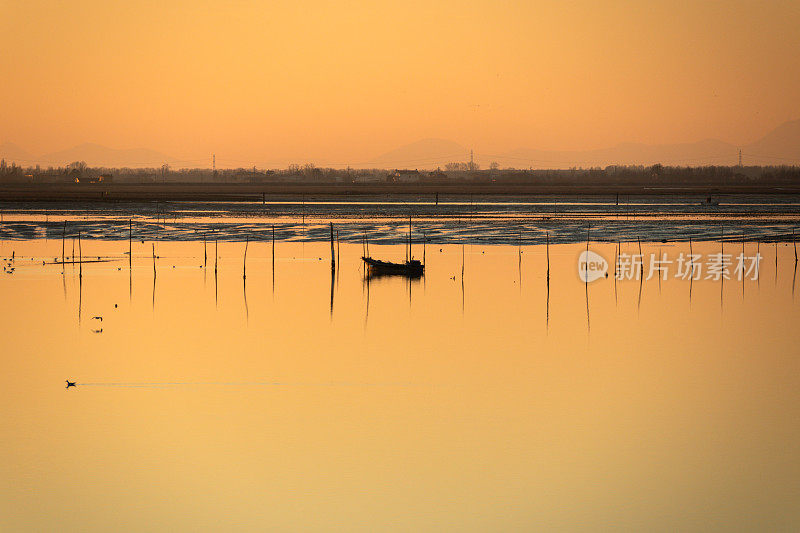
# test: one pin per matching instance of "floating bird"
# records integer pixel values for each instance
(97, 318)
(69, 383)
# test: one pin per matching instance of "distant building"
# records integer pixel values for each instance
(405, 176)
(102, 178)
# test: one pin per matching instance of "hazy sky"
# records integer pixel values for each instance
(344, 81)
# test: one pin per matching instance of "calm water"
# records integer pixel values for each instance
(301, 402)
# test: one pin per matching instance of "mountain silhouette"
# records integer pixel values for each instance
(425, 153)
(706, 152)
(781, 145)
(14, 154)
(97, 155)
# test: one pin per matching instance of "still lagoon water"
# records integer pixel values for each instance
(298, 400)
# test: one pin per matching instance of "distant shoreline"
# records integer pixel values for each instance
(242, 192)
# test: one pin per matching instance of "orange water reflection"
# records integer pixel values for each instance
(233, 406)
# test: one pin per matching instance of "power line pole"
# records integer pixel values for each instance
(740, 157)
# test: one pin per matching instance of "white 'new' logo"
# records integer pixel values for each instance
(591, 266)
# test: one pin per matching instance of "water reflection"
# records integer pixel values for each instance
(659, 394)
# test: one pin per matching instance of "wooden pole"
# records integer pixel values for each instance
(462, 261)
(409, 237)
(205, 251)
(130, 240)
(63, 236)
(216, 254)
(80, 257)
(588, 229)
(794, 242)
(244, 260)
(154, 259)
(586, 273)
(424, 238)
(333, 251)
(547, 241)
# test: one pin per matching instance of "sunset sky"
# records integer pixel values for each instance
(345, 81)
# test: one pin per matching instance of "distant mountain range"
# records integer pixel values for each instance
(95, 155)
(780, 146)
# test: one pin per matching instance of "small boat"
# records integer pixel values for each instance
(413, 268)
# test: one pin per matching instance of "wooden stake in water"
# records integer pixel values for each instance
(333, 254)
(758, 261)
(462, 261)
(216, 254)
(547, 247)
(586, 273)
(424, 238)
(154, 259)
(794, 243)
(641, 258)
(588, 229)
(130, 241)
(205, 251)
(273, 251)
(409, 238)
(80, 257)
(244, 260)
(338, 248)
(63, 236)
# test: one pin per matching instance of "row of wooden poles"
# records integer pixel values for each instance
(334, 238)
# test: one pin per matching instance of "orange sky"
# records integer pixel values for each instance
(345, 81)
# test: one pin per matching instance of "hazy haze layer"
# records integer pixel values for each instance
(337, 83)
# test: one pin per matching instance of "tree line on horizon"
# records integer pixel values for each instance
(80, 172)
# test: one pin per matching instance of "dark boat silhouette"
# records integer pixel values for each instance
(412, 268)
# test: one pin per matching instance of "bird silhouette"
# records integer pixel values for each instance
(69, 383)
(97, 318)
